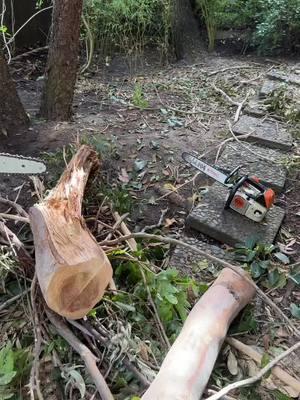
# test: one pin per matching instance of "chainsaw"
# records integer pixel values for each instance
(247, 195)
(18, 165)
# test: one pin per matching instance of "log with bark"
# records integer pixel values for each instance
(187, 367)
(72, 269)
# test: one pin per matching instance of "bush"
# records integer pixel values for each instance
(278, 26)
(128, 25)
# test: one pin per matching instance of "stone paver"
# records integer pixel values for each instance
(185, 258)
(256, 108)
(291, 78)
(269, 87)
(227, 226)
(266, 168)
(268, 133)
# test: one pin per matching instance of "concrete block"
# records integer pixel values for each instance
(258, 161)
(266, 132)
(291, 78)
(269, 87)
(227, 226)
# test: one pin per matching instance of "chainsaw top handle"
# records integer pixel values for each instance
(232, 175)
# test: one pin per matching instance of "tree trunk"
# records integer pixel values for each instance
(62, 64)
(72, 269)
(186, 36)
(12, 113)
(187, 367)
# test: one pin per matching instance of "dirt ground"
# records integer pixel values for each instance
(142, 119)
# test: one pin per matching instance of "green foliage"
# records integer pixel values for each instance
(295, 310)
(14, 368)
(278, 25)
(138, 98)
(128, 25)
(257, 257)
(284, 103)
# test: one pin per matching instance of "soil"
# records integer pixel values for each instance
(142, 147)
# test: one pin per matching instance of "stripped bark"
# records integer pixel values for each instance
(188, 365)
(72, 269)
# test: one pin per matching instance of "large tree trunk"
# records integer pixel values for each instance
(189, 363)
(186, 36)
(62, 64)
(12, 114)
(72, 269)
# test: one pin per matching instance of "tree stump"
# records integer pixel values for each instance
(72, 269)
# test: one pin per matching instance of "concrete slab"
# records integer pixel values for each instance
(269, 87)
(258, 161)
(291, 78)
(267, 132)
(185, 258)
(227, 226)
(256, 108)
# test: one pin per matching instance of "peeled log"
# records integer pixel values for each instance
(187, 367)
(72, 269)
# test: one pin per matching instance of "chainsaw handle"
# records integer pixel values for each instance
(232, 173)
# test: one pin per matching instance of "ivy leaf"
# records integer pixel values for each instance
(273, 277)
(256, 269)
(171, 298)
(295, 274)
(282, 257)
(295, 310)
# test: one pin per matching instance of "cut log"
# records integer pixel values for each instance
(72, 269)
(187, 367)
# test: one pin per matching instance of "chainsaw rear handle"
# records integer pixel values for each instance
(266, 197)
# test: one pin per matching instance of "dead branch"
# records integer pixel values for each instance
(225, 95)
(17, 246)
(257, 377)
(224, 263)
(131, 242)
(20, 210)
(256, 356)
(231, 68)
(72, 269)
(240, 107)
(10, 301)
(34, 382)
(13, 217)
(84, 352)
(159, 223)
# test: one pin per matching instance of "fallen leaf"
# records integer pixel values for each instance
(139, 165)
(169, 186)
(169, 222)
(123, 176)
(232, 363)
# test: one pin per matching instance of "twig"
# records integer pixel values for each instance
(84, 352)
(116, 225)
(177, 242)
(211, 391)
(15, 205)
(90, 51)
(256, 356)
(26, 22)
(29, 53)
(34, 382)
(230, 68)
(3, 32)
(132, 243)
(221, 145)
(150, 227)
(8, 302)
(240, 107)
(228, 98)
(14, 217)
(255, 378)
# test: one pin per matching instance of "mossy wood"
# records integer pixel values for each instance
(72, 269)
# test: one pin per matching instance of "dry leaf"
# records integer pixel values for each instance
(169, 186)
(232, 364)
(123, 176)
(169, 222)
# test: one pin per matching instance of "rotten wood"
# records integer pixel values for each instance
(72, 269)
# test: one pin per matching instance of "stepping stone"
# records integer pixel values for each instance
(269, 87)
(183, 258)
(227, 226)
(291, 78)
(256, 108)
(266, 168)
(268, 133)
